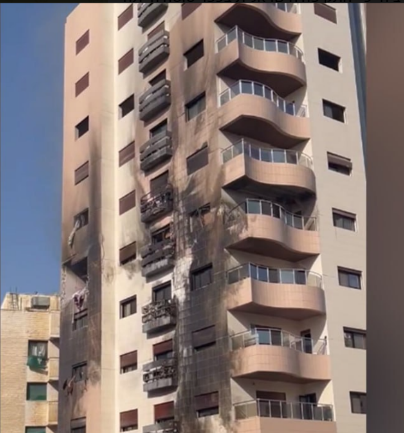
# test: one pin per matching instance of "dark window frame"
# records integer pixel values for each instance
(128, 367)
(196, 273)
(339, 115)
(347, 219)
(198, 160)
(80, 320)
(125, 17)
(159, 128)
(127, 202)
(126, 106)
(33, 343)
(126, 61)
(80, 45)
(127, 153)
(132, 302)
(349, 273)
(354, 336)
(79, 371)
(43, 385)
(329, 60)
(339, 164)
(326, 12)
(127, 258)
(362, 397)
(195, 53)
(165, 288)
(82, 84)
(82, 127)
(200, 100)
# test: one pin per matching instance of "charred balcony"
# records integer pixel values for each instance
(160, 315)
(160, 375)
(154, 51)
(168, 426)
(156, 203)
(156, 150)
(148, 12)
(155, 100)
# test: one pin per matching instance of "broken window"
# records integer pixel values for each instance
(161, 235)
(199, 218)
(80, 320)
(79, 372)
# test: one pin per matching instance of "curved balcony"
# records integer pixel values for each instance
(253, 109)
(262, 416)
(247, 166)
(266, 228)
(294, 294)
(273, 62)
(272, 354)
(275, 20)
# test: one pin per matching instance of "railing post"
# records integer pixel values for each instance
(312, 411)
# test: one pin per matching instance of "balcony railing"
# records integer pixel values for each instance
(160, 374)
(264, 207)
(148, 12)
(154, 51)
(247, 87)
(155, 100)
(274, 276)
(156, 203)
(167, 426)
(156, 150)
(159, 315)
(274, 156)
(284, 409)
(260, 44)
(276, 337)
(158, 257)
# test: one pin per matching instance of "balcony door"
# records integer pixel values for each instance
(271, 404)
(308, 405)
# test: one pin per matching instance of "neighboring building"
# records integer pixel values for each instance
(214, 220)
(29, 363)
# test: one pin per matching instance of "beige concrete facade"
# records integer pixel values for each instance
(268, 337)
(26, 319)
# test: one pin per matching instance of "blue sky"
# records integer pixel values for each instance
(32, 41)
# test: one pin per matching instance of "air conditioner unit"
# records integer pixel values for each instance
(40, 302)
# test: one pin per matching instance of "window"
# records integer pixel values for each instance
(199, 217)
(202, 277)
(162, 292)
(80, 320)
(82, 127)
(126, 154)
(198, 160)
(159, 182)
(188, 8)
(161, 235)
(195, 107)
(164, 350)
(349, 278)
(194, 54)
(125, 17)
(127, 254)
(159, 129)
(36, 391)
(81, 173)
(329, 60)
(81, 219)
(125, 61)
(207, 404)
(344, 220)
(129, 420)
(82, 42)
(156, 30)
(164, 412)
(204, 338)
(38, 348)
(127, 202)
(80, 372)
(339, 164)
(127, 106)
(129, 362)
(326, 12)
(128, 307)
(158, 78)
(354, 338)
(358, 402)
(334, 111)
(82, 84)
(35, 430)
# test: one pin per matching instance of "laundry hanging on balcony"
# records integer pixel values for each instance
(80, 297)
(77, 225)
(68, 385)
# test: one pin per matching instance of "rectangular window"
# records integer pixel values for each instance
(159, 129)
(125, 17)
(199, 218)
(127, 202)
(159, 77)
(38, 348)
(82, 127)
(326, 12)
(79, 372)
(164, 412)
(80, 320)
(128, 307)
(333, 111)
(328, 60)
(81, 219)
(156, 30)
(349, 278)
(207, 404)
(161, 235)
(129, 362)
(159, 182)
(198, 160)
(129, 420)
(36, 391)
(188, 8)
(127, 106)
(127, 253)
(35, 430)
(358, 402)
(125, 61)
(204, 338)
(194, 54)
(82, 42)
(339, 164)
(82, 84)
(202, 277)
(162, 292)
(163, 350)
(81, 173)
(354, 338)
(195, 107)
(126, 154)
(344, 220)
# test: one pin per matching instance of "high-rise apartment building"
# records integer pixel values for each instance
(29, 363)
(214, 224)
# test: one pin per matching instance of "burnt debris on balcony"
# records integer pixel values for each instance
(155, 100)
(160, 374)
(159, 315)
(166, 426)
(154, 51)
(156, 150)
(148, 12)
(156, 203)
